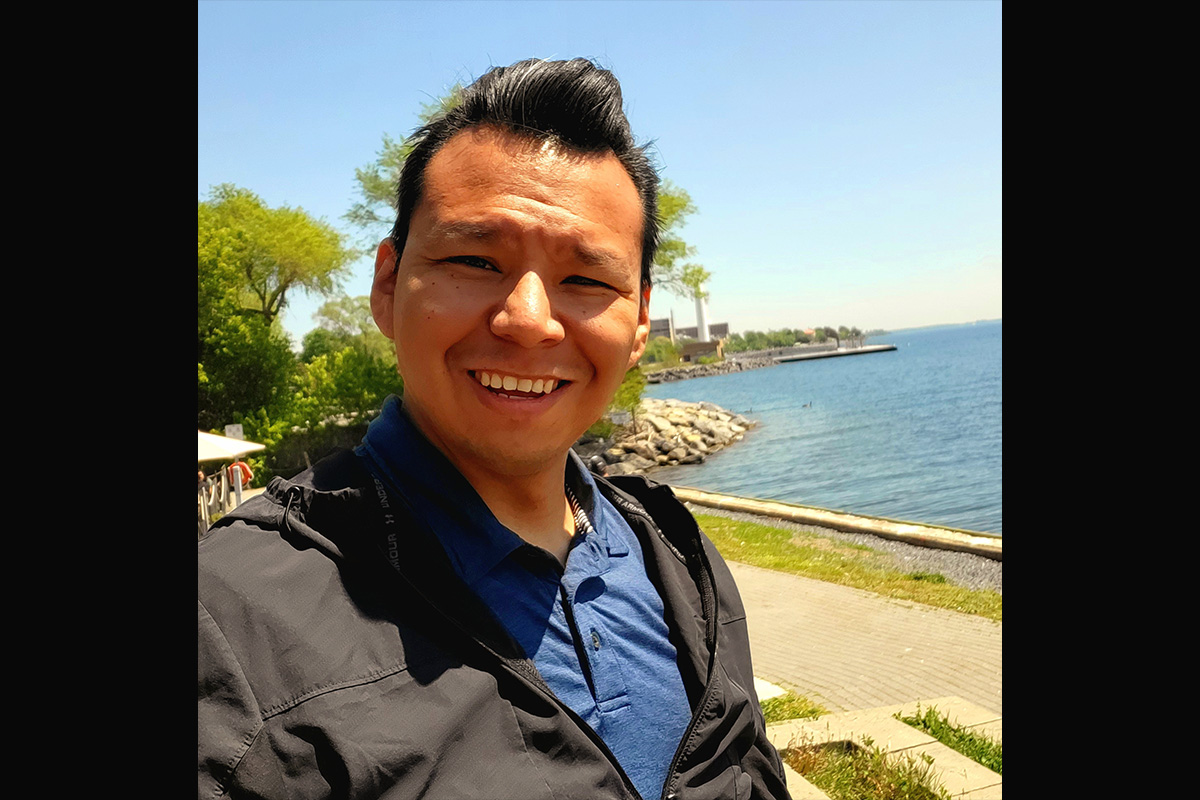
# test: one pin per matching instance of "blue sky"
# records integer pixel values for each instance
(844, 155)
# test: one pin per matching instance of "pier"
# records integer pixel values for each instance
(849, 351)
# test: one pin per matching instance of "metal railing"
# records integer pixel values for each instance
(217, 495)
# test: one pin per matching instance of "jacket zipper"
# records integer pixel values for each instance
(707, 600)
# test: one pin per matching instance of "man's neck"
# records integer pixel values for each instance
(534, 507)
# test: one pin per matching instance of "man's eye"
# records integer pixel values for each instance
(471, 261)
(580, 280)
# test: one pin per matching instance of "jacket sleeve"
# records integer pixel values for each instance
(228, 718)
(762, 762)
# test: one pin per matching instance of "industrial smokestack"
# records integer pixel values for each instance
(702, 318)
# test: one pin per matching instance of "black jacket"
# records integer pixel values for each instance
(329, 670)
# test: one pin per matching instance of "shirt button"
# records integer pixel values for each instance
(595, 640)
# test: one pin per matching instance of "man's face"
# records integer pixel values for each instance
(522, 269)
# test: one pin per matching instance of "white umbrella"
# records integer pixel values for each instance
(219, 448)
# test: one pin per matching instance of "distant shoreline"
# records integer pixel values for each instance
(937, 325)
(765, 358)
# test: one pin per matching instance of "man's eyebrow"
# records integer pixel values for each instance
(463, 229)
(483, 233)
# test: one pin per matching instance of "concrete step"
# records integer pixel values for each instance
(961, 776)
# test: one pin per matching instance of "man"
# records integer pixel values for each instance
(458, 608)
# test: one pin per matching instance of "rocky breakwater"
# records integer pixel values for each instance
(705, 370)
(667, 433)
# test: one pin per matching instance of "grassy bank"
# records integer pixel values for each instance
(845, 771)
(824, 558)
(974, 746)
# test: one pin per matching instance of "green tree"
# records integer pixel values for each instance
(277, 249)
(629, 394)
(350, 318)
(375, 211)
(671, 269)
(349, 383)
(243, 364)
(661, 350)
(323, 342)
(833, 334)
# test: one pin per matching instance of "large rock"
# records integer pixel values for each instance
(668, 432)
(660, 424)
(637, 462)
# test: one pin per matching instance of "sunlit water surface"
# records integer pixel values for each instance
(912, 434)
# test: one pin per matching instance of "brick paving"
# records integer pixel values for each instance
(849, 649)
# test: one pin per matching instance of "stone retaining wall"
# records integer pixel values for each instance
(705, 370)
(667, 433)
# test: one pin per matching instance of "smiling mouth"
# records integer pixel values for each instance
(517, 386)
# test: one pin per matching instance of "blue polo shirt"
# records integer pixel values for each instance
(602, 605)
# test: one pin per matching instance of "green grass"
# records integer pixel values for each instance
(975, 746)
(833, 560)
(846, 771)
(790, 706)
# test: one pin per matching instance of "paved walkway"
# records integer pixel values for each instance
(848, 649)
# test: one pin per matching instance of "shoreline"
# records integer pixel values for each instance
(741, 362)
(986, 545)
(965, 569)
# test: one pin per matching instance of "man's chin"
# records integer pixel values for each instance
(516, 457)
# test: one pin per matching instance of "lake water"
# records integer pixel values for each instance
(911, 434)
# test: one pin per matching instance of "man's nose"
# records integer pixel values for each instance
(527, 314)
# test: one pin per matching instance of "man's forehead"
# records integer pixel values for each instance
(481, 154)
(481, 183)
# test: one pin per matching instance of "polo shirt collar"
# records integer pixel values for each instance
(474, 540)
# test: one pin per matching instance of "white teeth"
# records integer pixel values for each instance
(510, 383)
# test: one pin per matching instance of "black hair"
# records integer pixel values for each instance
(575, 103)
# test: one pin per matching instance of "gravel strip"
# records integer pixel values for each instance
(964, 569)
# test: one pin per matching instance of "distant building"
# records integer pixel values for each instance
(719, 330)
(695, 350)
(662, 327)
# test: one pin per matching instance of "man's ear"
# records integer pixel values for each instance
(383, 287)
(643, 329)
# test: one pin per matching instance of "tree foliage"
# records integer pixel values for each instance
(348, 366)
(661, 350)
(672, 270)
(347, 384)
(375, 211)
(248, 257)
(629, 394)
(275, 250)
(786, 337)
(759, 340)
(351, 319)
(243, 364)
